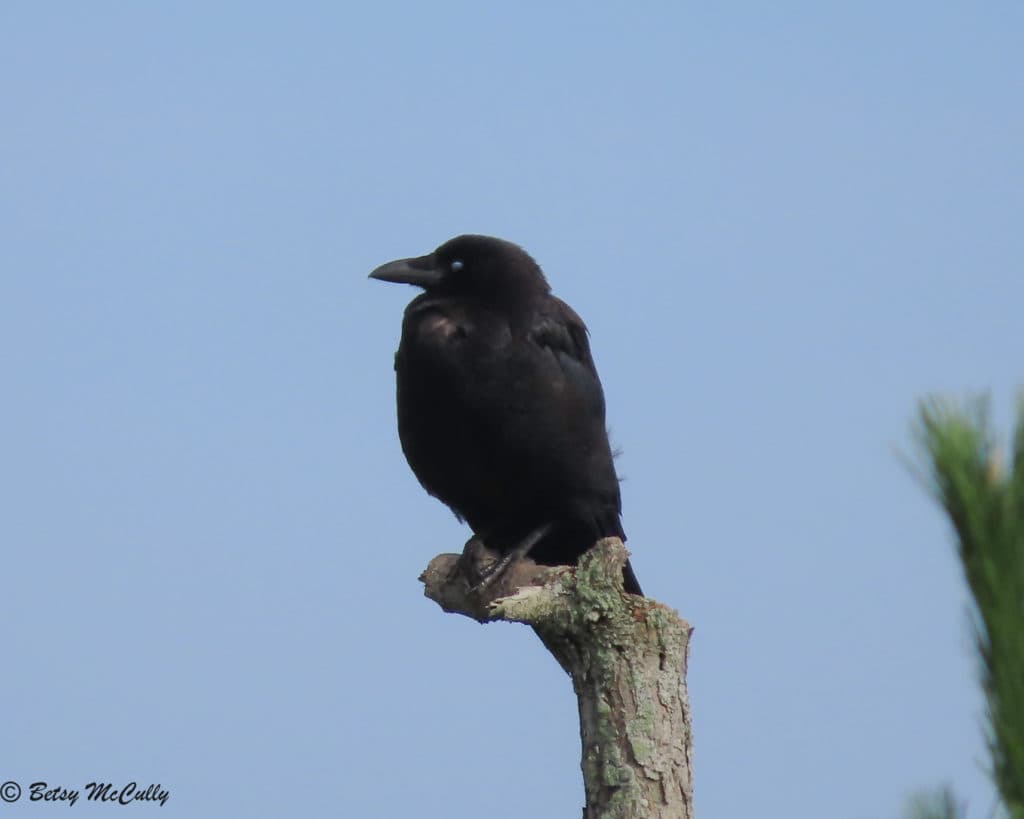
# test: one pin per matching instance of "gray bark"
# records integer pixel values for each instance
(626, 656)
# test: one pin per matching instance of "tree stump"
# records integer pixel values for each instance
(626, 656)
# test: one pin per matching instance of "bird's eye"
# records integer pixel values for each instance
(456, 266)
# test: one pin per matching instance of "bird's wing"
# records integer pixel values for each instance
(560, 332)
(575, 413)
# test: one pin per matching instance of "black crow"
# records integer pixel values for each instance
(500, 411)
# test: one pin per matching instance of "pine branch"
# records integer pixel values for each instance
(940, 804)
(985, 504)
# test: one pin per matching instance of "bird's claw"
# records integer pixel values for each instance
(493, 573)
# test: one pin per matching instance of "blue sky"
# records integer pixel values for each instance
(784, 226)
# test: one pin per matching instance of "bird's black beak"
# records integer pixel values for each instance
(423, 271)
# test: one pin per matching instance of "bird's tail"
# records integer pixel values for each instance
(629, 581)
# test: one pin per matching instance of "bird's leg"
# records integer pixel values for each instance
(521, 550)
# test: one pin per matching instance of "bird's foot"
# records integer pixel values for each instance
(494, 572)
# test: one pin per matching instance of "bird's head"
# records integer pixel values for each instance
(480, 267)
